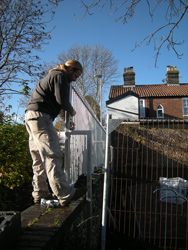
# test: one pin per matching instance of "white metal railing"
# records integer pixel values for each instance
(79, 143)
(84, 146)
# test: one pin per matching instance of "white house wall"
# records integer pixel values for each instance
(127, 107)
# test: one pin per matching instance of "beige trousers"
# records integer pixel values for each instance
(47, 157)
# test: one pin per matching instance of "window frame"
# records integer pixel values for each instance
(157, 111)
(143, 108)
(185, 107)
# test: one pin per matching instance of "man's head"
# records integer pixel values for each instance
(74, 64)
(73, 70)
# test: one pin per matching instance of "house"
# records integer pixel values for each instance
(124, 106)
(169, 100)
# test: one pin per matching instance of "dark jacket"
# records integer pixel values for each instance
(51, 95)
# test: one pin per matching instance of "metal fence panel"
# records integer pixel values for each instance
(77, 145)
(138, 205)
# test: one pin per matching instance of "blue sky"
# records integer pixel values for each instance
(100, 28)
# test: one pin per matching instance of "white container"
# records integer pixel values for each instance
(49, 203)
(173, 190)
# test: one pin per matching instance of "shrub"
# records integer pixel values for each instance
(15, 160)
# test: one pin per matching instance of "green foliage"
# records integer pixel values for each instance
(15, 160)
(25, 87)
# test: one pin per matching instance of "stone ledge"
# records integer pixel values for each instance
(42, 227)
(72, 227)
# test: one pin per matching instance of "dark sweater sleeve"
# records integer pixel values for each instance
(61, 92)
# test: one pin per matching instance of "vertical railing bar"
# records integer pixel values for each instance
(171, 215)
(130, 205)
(135, 216)
(160, 213)
(150, 211)
(132, 160)
(105, 189)
(126, 162)
(155, 212)
(136, 163)
(122, 150)
(157, 155)
(127, 153)
(142, 166)
(125, 213)
(183, 162)
(142, 153)
(120, 198)
(145, 221)
(111, 177)
(135, 208)
(67, 155)
(111, 191)
(130, 208)
(116, 179)
(122, 154)
(162, 156)
(160, 225)
(165, 235)
(152, 149)
(147, 151)
(176, 238)
(151, 179)
(140, 233)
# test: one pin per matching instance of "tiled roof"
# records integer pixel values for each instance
(158, 90)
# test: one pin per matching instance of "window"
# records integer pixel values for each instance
(160, 111)
(142, 107)
(185, 106)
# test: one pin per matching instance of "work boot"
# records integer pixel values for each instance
(78, 193)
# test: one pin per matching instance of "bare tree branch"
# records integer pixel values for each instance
(174, 9)
(96, 60)
(169, 38)
(22, 33)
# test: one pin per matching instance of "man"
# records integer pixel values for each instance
(50, 96)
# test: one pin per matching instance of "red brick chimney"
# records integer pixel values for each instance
(129, 77)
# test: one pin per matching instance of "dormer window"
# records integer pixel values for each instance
(160, 111)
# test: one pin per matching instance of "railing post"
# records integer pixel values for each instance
(105, 191)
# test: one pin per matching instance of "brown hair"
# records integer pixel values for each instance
(60, 67)
(76, 65)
